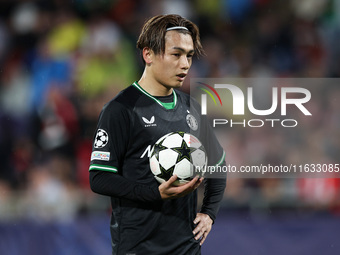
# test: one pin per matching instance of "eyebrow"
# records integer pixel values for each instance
(183, 50)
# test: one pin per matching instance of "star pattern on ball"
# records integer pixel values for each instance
(180, 133)
(166, 174)
(157, 149)
(184, 151)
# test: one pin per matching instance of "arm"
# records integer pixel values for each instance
(215, 183)
(111, 184)
(213, 194)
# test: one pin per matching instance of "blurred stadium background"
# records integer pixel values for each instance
(60, 61)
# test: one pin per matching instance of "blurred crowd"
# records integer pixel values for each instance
(60, 61)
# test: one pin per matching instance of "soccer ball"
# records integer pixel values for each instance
(178, 153)
(101, 138)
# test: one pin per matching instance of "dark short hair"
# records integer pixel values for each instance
(153, 33)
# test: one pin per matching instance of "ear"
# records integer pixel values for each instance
(147, 55)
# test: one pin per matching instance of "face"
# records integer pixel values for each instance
(169, 70)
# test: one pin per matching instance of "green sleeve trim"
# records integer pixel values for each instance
(103, 168)
(221, 160)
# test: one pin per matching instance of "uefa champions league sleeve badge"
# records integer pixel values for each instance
(101, 139)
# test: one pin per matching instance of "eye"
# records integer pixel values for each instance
(176, 54)
(190, 55)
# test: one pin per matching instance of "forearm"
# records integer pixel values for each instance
(114, 185)
(213, 194)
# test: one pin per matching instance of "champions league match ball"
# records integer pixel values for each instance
(178, 153)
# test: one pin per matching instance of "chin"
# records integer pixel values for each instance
(174, 85)
(178, 84)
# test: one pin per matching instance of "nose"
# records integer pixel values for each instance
(185, 63)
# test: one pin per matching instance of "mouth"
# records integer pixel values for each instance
(181, 76)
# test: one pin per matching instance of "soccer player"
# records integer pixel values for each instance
(148, 217)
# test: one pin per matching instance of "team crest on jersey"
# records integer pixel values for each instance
(101, 139)
(192, 122)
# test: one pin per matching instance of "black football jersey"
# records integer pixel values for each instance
(128, 127)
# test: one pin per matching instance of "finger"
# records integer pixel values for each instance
(199, 234)
(194, 181)
(197, 219)
(172, 180)
(198, 229)
(189, 185)
(204, 237)
(198, 183)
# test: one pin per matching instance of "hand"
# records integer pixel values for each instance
(203, 228)
(169, 191)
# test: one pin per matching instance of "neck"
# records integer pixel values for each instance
(153, 87)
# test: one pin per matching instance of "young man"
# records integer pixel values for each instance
(148, 217)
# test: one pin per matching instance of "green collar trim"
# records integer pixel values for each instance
(168, 106)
